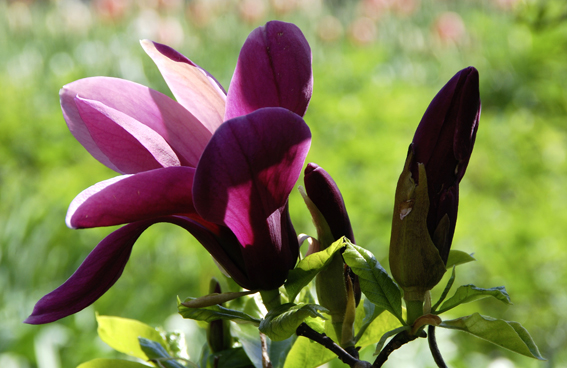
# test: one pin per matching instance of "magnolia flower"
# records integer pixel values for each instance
(220, 166)
(427, 195)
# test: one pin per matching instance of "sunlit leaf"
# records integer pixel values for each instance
(249, 337)
(509, 335)
(375, 282)
(122, 334)
(387, 335)
(309, 267)
(158, 355)
(215, 298)
(111, 363)
(445, 291)
(458, 257)
(212, 313)
(281, 322)
(385, 322)
(230, 358)
(470, 293)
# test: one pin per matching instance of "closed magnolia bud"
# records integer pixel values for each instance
(338, 289)
(427, 194)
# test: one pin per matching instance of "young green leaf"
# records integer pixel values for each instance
(387, 335)
(111, 363)
(309, 267)
(458, 257)
(122, 334)
(215, 298)
(445, 291)
(231, 358)
(509, 335)
(470, 293)
(212, 313)
(249, 336)
(306, 353)
(281, 322)
(377, 328)
(375, 282)
(158, 355)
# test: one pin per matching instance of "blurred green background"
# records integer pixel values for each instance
(377, 64)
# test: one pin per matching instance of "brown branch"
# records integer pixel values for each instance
(397, 342)
(344, 356)
(434, 348)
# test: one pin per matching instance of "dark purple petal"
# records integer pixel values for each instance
(192, 86)
(325, 194)
(131, 198)
(186, 135)
(100, 270)
(273, 70)
(130, 145)
(243, 182)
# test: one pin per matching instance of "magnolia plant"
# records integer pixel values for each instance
(228, 162)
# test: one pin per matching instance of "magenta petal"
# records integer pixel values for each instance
(180, 129)
(243, 181)
(130, 145)
(100, 270)
(191, 85)
(131, 198)
(273, 70)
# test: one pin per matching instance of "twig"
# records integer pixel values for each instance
(266, 363)
(397, 342)
(344, 356)
(434, 348)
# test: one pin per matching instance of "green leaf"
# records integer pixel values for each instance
(212, 313)
(458, 257)
(385, 322)
(230, 358)
(249, 337)
(158, 355)
(509, 335)
(176, 343)
(375, 282)
(387, 335)
(306, 353)
(470, 293)
(111, 363)
(371, 311)
(215, 298)
(281, 322)
(122, 334)
(309, 267)
(445, 291)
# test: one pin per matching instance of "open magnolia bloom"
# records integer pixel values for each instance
(220, 166)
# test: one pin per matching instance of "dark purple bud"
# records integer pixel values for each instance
(325, 194)
(443, 142)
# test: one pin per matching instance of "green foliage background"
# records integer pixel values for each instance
(367, 102)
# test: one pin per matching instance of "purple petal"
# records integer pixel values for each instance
(181, 130)
(325, 194)
(191, 85)
(130, 146)
(131, 198)
(100, 270)
(243, 181)
(273, 70)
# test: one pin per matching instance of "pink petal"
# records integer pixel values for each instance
(243, 181)
(273, 70)
(130, 145)
(100, 270)
(131, 198)
(181, 130)
(192, 86)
